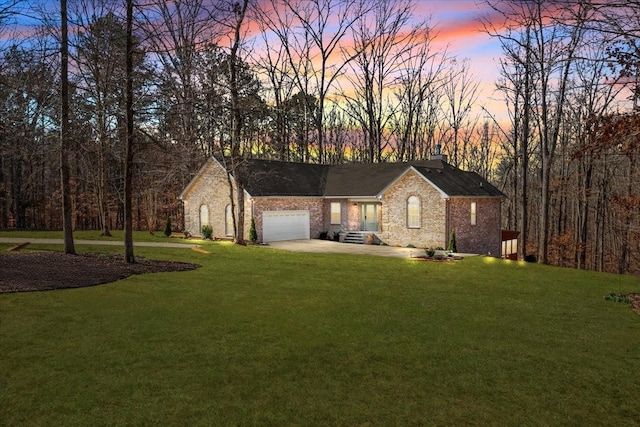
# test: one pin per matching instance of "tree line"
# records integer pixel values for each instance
(324, 81)
(570, 160)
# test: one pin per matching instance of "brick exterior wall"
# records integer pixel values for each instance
(432, 230)
(345, 211)
(210, 188)
(482, 238)
(437, 215)
(314, 205)
(353, 216)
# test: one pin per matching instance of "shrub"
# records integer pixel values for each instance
(336, 236)
(207, 232)
(167, 227)
(430, 252)
(323, 235)
(452, 241)
(253, 234)
(618, 298)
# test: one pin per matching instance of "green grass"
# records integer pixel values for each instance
(263, 337)
(117, 235)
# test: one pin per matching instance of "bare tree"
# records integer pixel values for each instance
(69, 246)
(9, 11)
(382, 40)
(460, 94)
(99, 64)
(232, 17)
(555, 54)
(620, 20)
(623, 21)
(313, 33)
(552, 36)
(274, 65)
(418, 92)
(128, 165)
(481, 148)
(30, 110)
(178, 33)
(9, 8)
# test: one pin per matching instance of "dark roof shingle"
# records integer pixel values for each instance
(458, 183)
(264, 178)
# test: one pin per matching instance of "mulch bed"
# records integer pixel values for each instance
(437, 259)
(635, 302)
(47, 270)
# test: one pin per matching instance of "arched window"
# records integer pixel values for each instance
(228, 221)
(413, 212)
(204, 215)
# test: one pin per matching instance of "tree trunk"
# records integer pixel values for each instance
(69, 246)
(583, 213)
(524, 145)
(543, 226)
(128, 172)
(236, 162)
(102, 191)
(628, 213)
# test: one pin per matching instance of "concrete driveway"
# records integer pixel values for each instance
(310, 245)
(327, 246)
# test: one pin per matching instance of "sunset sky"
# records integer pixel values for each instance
(459, 30)
(458, 25)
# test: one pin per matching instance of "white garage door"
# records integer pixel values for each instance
(285, 225)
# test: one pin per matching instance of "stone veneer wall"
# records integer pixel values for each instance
(211, 189)
(313, 204)
(482, 238)
(432, 231)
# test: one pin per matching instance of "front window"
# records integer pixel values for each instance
(413, 212)
(473, 213)
(335, 213)
(204, 215)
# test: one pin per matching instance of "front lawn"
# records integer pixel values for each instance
(116, 235)
(264, 337)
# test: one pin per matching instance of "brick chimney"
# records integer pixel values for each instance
(438, 154)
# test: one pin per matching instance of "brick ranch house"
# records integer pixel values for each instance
(416, 203)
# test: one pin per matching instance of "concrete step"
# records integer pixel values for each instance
(352, 237)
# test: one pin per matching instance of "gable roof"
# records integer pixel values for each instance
(455, 182)
(264, 178)
(273, 178)
(372, 179)
(362, 179)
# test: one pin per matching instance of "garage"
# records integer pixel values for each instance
(285, 225)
